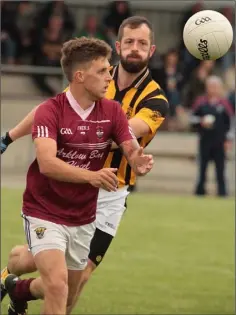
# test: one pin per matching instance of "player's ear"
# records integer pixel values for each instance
(118, 48)
(79, 76)
(152, 50)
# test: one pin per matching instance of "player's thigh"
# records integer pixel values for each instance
(47, 242)
(79, 239)
(110, 209)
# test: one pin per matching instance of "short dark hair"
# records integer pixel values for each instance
(135, 22)
(82, 50)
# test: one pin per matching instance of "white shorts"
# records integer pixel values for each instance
(110, 208)
(73, 241)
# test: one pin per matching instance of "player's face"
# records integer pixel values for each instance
(135, 48)
(97, 78)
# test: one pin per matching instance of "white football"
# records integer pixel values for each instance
(208, 35)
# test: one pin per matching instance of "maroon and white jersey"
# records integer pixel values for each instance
(83, 140)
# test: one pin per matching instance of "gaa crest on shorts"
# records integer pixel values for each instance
(40, 232)
(99, 132)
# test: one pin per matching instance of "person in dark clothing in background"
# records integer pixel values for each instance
(56, 8)
(196, 84)
(47, 47)
(8, 31)
(170, 78)
(211, 117)
(118, 11)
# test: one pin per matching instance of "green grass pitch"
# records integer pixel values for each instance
(172, 255)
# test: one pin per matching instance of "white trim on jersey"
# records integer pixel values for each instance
(42, 132)
(100, 146)
(131, 132)
(97, 121)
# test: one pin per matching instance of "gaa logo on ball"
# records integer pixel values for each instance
(208, 35)
(202, 20)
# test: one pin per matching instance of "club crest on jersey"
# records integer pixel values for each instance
(129, 113)
(40, 232)
(155, 115)
(99, 132)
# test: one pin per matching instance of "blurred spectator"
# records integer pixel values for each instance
(47, 50)
(92, 29)
(24, 27)
(231, 99)
(58, 8)
(196, 86)
(8, 31)
(189, 62)
(118, 11)
(198, 6)
(170, 78)
(229, 78)
(229, 59)
(212, 116)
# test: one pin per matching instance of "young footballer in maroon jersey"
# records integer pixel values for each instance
(72, 133)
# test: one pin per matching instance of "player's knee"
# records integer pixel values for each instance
(16, 251)
(86, 276)
(87, 273)
(21, 261)
(57, 286)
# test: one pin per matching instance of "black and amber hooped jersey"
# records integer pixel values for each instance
(143, 99)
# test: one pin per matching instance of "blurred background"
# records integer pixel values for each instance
(32, 33)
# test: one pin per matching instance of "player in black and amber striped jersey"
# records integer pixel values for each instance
(144, 102)
(146, 108)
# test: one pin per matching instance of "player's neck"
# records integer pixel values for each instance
(125, 79)
(81, 97)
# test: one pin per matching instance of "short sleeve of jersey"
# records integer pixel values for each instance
(45, 121)
(121, 129)
(153, 111)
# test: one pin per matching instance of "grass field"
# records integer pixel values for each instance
(172, 255)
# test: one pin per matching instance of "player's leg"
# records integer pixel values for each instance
(219, 159)
(20, 262)
(79, 239)
(203, 160)
(110, 209)
(47, 242)
(51, 286)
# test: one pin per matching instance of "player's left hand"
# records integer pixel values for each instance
(143, 163)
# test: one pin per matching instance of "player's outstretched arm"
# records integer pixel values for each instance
(51, 166)
(125, 138)
(140, 162)
(23, 128)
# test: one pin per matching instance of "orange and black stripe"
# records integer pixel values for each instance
(145, 99)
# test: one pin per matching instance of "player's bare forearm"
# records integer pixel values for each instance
(130, 150)
(24, 127)
(51, 166)
(139, 127)
(63, 172)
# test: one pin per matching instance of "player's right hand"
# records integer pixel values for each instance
(5, 141)
(4, 145)
(105, 178)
